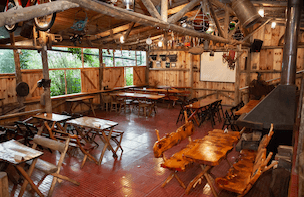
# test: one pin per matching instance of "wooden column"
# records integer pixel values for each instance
(100, 69)
(191, 74)
(164, 10)
(147, 68)
(226, 24)
(18, 73)
(237, 79)
(248, 70)
(45, 72)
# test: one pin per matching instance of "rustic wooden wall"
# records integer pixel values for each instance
(177, 76)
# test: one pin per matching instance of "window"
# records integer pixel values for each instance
(64, 79)
(107, 57)
(124, 58)
(30, 59)
(91, 57)
(141, 58)
(129, 76)
(7, 62)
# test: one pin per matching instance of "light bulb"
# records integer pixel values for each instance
(160, 43)
(261, 12)
(273, 25)
(122, 39)
(149, 41)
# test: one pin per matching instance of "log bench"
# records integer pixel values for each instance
(249, 167)
(176, 162)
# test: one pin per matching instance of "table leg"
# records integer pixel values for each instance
(193, 116)
(28, 179)
(92, 108)
(207, 176)
(50, 129)
(197, 178)
(107, 143)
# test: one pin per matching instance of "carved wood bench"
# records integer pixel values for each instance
(246, 171)
(176, 162)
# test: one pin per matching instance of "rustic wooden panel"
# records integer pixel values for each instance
(89, 79)
(139, 75)
(113, 77)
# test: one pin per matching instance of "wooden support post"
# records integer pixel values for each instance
(237, 79)
(164, 10)
(226, 24)
(191, 74)
(4, 185)
(248, 71)
(147, 67)
(18, 73)
(45, 72)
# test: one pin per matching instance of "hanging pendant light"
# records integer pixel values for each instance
(128, 4)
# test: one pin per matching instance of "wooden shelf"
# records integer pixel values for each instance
(170, 69)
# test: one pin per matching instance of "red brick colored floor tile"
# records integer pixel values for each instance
(135, 172)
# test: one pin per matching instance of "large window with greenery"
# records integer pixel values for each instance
(29, 59)
(119, 58)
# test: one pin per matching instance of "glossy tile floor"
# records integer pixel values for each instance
(136, 172)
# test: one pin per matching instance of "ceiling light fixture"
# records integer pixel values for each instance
(128, 3)
(273, 25)
(122, 39)
(160, 44)
(261, 11)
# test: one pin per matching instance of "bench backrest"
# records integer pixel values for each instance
(172, 139)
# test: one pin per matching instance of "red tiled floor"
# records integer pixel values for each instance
(135, 172)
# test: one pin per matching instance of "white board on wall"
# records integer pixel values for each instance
(213, 68)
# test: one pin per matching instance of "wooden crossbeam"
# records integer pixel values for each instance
(183, 11)
(27, 13)
(218, 26)
(151, 8)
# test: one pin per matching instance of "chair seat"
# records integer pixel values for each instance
(236, 184)
(44, 166)
(177, 161)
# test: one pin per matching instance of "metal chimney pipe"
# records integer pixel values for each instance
(289, 62)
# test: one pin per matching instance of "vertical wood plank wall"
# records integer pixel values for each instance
(266, 60)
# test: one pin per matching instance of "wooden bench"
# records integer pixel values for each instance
(176, 162)
(246, 171)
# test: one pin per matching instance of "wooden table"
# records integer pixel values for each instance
(17, 154)
(248, 107)
(95, 125)
(80, 100)
(49, 120)
(199, 105)
(209, 152)
(151, 97)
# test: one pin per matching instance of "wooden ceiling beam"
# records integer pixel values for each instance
(128, 31)
(218, 26)
(223, 6)
(151, 9)
(183, 11)
(27, 13)
(147, 20)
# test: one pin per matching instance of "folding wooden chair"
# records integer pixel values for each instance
(49, 168)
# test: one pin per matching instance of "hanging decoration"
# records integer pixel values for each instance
(80, 24)
(202, 19)
(229, 58)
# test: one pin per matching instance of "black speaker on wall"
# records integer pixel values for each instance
(256, 45)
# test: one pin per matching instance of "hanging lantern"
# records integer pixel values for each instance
(202, 18)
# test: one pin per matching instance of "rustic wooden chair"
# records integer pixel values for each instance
(27, 130)
(230, 122)
(106, 100)
(176, 162)
(243, 174)
(50, 168)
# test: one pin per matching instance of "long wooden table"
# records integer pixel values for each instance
(199, 105)
(209, 152)
(248, 107)
(78, 101)
(17, 154)
(86, 125)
